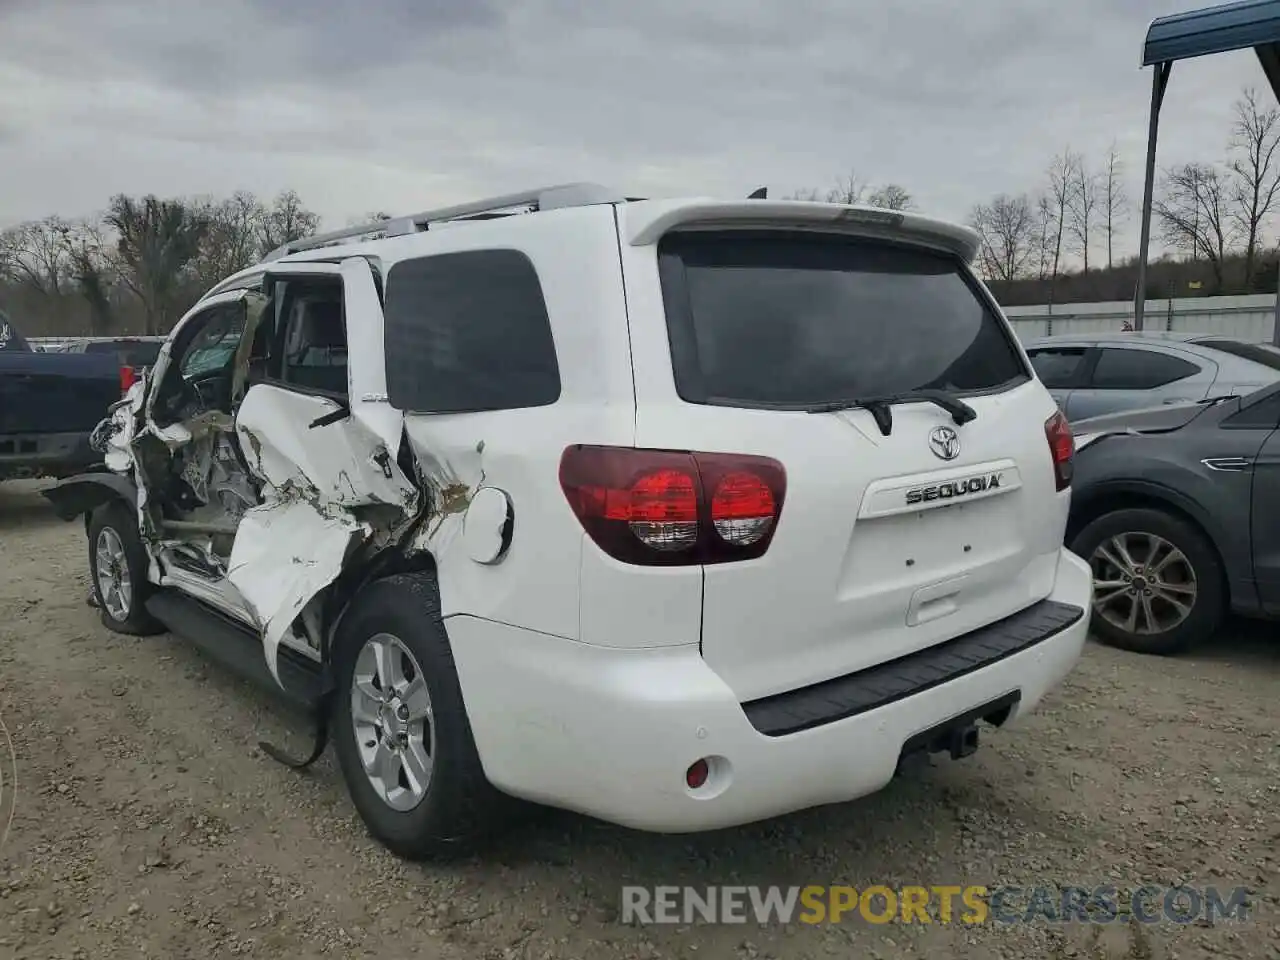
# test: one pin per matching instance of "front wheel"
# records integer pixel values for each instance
(1158, 583)
(118, 571)
(400, 728)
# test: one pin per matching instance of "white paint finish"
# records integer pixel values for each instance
(273, 427)
(537, 584)
(609, 733)
(645, 222)
(285, 552)
(832, 593)
(632, 606)
(484, 525)
(888, 497)
(366, 357)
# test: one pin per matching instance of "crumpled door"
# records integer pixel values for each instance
(321, 462)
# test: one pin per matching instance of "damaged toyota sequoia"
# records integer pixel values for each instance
(680, 514)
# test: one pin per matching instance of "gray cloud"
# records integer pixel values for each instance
(405, 103)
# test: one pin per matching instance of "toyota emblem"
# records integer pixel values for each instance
(944, 442)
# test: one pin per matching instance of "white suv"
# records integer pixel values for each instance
(680, 513)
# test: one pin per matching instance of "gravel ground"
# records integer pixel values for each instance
(148, 824)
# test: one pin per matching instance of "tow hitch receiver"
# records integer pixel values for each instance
(957, 736)
(963, 741)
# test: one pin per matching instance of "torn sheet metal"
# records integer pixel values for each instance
(342, 461)
(285, 553)
(450, 489)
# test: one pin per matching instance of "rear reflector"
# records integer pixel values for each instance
(1062, 448)
(128, 377)
(696, 775)
(663, 507)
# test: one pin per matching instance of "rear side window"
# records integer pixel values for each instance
(466, 332)
(1124, 368)
(1261, 353)
(132, 353)
(789, 320)
(1059, 367)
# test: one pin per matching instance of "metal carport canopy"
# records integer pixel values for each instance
(1198, 33)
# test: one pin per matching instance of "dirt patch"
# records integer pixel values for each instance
(148, 824)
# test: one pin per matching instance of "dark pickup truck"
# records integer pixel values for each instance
(49, 405)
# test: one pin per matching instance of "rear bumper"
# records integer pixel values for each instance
(45, 454)
(610, 732)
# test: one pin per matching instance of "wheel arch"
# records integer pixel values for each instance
(1141, 495)
(343, 591)
(83, 493)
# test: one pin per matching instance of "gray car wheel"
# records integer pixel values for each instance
(1157, 580)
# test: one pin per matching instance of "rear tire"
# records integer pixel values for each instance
(118, 571)
(400, 728)
(1159, 586)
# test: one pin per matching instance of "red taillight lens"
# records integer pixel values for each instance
(652, 506)
(128, 377)
(742, 508)
(662, 509)
(1062, 448)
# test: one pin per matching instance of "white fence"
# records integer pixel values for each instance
(1249, 318)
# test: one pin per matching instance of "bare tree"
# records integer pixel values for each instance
(1115, 203)
(891, 196)
(1255, 171)
(285, 221)
(849, 189)
(94, 272)
(158, 240)
(1195, 215)
(1008, 230)
(34, 254)
(1082, 209)
(231, 239)
(808, 194)
(1062, 180)
(1046, 225)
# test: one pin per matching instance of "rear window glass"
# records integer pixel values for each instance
(790, 320)
(132, 353)
(1261, 353)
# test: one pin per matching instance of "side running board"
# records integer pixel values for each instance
(238, 649)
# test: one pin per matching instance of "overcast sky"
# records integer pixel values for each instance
(405, 104)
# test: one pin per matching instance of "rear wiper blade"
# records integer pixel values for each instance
(880, 407)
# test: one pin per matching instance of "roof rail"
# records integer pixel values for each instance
(542, 198)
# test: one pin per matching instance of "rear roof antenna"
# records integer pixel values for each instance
(760, 194)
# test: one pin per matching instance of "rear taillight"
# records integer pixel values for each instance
(1062, 448)
(662, 507)
(128, 377)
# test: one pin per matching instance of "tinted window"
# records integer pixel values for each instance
(468, 331)
(1261, 353)
(789, 320)
(1121, 368)
(132, 353)
(1058, 367)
